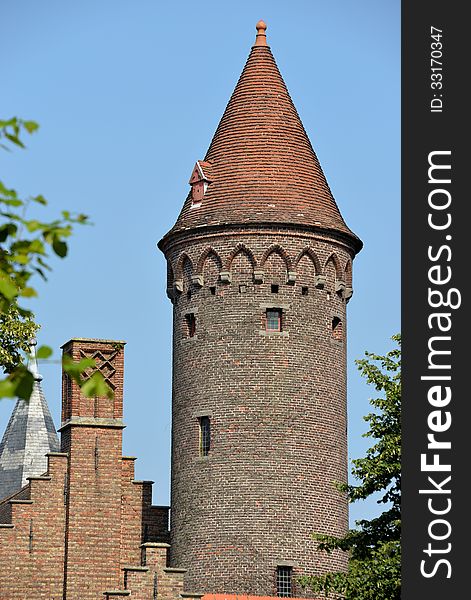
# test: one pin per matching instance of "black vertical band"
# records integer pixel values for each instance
(435, 271)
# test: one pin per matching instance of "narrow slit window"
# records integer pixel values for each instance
(190, 324)
(284, 584)
(304, 290)
(205, 436)
(212, 290)
(273, 317)
(337, 329)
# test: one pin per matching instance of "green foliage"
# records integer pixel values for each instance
(16, 331)
(377, 577)
(25, 243)
(18, 384)
(25, 246)
(374, 547)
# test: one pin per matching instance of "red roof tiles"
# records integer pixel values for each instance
(263, 168)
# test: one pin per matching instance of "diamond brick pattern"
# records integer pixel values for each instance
(103, 362)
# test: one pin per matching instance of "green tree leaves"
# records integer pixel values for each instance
(374, 547)
(25, 246)
(16, 331)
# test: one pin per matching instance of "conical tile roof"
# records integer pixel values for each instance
(262, 165)
(29, 436)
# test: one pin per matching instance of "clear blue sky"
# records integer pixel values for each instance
(128, 95)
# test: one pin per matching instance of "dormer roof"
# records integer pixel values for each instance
(201, 172)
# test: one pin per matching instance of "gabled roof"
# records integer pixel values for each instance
(29, 436)
(201, 172)
(263, 167)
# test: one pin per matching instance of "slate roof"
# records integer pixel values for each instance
(29, 436)
(263, 167)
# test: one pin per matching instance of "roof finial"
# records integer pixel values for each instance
(261, 39)
(33, 363)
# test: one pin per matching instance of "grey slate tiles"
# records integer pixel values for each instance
(29, 436)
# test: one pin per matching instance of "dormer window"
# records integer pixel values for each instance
(199, 181)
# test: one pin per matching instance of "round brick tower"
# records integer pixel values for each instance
(259, 274)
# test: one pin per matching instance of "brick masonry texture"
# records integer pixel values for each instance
(86, 529)
(277, 404)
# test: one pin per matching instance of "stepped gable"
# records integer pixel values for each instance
(263, 167)
(86, 528)
(29, 436)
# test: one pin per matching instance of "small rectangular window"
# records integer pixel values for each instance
(190, 324)
(304, 290)
(212, 290)
(273, 319)
(275, 288)
(205, 436)
(284, 581)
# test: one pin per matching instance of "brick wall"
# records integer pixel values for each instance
(276, 402)
(32, 538)
(86, 528)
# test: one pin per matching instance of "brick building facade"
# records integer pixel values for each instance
(86, 529)
(259, 275)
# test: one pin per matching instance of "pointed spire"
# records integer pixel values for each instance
(29, 436)
(263, 167)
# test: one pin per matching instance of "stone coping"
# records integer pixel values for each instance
(92, 422)
(174, 570)
(138, 481)
(94, 341)
(155, 545)
(131, 568)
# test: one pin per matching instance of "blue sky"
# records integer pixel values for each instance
(128, 96)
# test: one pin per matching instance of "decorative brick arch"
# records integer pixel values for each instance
(348, 273)
(309, 252)
(202, 259)
(277, 249)
(241, 248)
(181, 261)
(336, 262)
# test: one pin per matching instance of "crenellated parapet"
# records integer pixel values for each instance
(203, 266)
